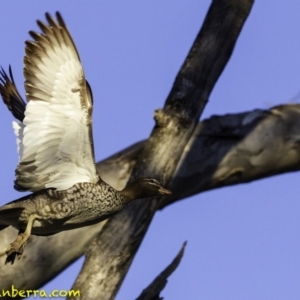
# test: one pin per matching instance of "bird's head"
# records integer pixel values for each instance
(143, 188)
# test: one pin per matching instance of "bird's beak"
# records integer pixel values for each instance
(164, 191)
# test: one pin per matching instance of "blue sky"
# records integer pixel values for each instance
(243, 241)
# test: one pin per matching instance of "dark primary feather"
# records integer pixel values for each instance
(10, 95)
(3, 227)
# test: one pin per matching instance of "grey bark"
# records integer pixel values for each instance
(238, 141)
(181, 153)
(110, 254)
(157, 285)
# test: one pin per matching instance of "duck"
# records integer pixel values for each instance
(55, 144)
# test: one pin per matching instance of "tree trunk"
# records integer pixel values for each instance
(110, 254)
(187, 156)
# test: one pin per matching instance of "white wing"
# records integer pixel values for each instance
(55, 140)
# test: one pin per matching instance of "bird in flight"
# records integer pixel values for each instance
(55, 144)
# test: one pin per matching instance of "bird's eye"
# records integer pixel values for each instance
(152, 181)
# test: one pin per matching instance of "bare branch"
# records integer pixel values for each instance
(238, 148)
(110, 255)
(158, 284)
(160, 155)
(208, 57)
(228, 150)
(224, 150)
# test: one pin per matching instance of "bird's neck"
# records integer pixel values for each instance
(129, 194)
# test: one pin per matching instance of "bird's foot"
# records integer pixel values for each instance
(16, 248)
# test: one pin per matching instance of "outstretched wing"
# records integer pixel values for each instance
(11, 96)
(55, 138)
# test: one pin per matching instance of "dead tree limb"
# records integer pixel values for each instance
(158, 284)
(220, 151)
(223, 150)
(109, 256)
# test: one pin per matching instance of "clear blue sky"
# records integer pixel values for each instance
(243, 241)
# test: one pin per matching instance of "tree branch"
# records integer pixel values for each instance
(158, 284)
(119, 238)
(110, 254)
(224, 150)
(238, 148)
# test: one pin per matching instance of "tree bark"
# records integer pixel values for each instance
(157, 285)
(223, 150)
(110, 254)
(188, 156)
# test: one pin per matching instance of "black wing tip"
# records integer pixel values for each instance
(33, 34)
(4, 75)
(19, 187)
(51, 20)
(10, 94)
(11, 74)
(3, 226)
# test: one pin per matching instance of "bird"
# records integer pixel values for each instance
(55, 144)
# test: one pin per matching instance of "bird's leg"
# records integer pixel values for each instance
(17, 247)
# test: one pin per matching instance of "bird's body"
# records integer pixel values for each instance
(55, 144)
(81, 205)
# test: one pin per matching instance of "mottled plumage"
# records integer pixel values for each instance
(55, 144)
(84, 203)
